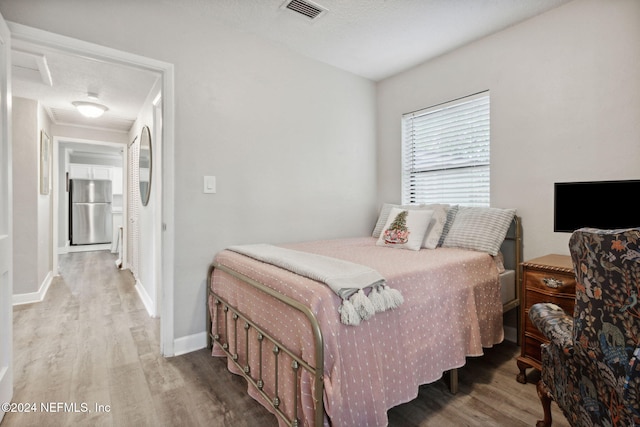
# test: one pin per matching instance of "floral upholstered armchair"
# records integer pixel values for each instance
(591, 367)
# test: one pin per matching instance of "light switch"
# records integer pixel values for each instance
(209, 184)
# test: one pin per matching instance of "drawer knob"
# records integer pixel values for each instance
(552, 282)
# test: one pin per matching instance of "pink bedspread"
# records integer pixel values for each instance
(452, 310)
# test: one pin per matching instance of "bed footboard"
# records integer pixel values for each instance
(237, 323)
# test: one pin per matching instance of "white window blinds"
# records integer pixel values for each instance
(446, 153)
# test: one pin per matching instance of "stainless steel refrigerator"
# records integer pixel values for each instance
(90, 211)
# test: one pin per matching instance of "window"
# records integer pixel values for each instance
(446, 153)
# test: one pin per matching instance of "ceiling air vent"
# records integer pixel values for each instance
(306, 8)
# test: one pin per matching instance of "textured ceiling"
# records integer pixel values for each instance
(370, 38)
(122, 89)
(377, 38)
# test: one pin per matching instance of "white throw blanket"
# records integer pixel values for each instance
(347, 279)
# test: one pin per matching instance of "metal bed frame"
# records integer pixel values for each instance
(238, 322)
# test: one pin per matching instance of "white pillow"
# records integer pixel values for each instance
(435, 227)
(405, 228)
(479, 229)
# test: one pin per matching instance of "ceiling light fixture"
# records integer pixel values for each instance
(90, 109)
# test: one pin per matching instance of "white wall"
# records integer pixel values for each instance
(25, 191)
(32, 219)
(565, 103)
(45, 204)
(290, 140)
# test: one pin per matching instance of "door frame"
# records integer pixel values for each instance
(166, 238)
(6, 220)
(56, 164)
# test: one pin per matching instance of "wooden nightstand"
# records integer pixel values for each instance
(546, 279)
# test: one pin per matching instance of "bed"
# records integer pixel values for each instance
(284, 332)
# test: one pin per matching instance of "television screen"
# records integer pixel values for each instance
(598, 204)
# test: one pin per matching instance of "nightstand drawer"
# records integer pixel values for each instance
(545, 279)
(550, 281)
(565, 302)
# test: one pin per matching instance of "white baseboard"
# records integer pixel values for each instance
(89, 248)
(511, 334)
(29, 298)
(64, 249)
(145, 298)
(189, 343)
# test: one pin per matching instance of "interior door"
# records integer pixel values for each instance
(6, 224)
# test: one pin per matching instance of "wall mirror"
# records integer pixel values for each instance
(144, 165)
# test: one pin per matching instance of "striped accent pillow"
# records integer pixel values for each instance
(479, 229)
(382, 218)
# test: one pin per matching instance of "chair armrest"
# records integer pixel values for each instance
(631, 392)
(554, 324)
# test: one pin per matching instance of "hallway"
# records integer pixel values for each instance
(91, 344)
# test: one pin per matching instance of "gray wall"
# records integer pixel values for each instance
(565, 106)
(290, 140)
(32, 231)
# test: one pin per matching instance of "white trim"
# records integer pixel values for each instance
(89, 248)
(190, 343)
(166, 71)
(83, 48)
(157, 214)
(168, 218)
(6, 220)
(31, 297)
(62, 250)
(145, 298)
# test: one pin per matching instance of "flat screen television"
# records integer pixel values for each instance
(597, 204)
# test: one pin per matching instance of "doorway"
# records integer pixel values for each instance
(86, 159)
(163, 228)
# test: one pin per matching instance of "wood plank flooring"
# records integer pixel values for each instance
(91, 344)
